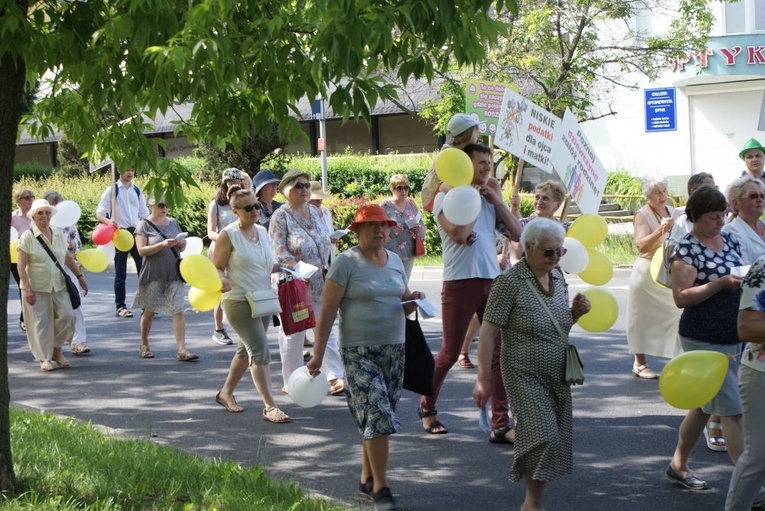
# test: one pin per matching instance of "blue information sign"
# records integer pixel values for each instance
(660, 109)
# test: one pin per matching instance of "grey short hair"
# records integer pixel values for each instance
(53, 197)
(541, 229)
(650, 182)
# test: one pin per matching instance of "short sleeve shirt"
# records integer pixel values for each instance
(715, 319)
(161, 266)
(753, 298)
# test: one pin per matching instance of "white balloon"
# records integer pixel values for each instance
(306, 390)
(14, 233)
(576, 258)
(462, 205)
(108, 250)
(193, 246)
(67, 214)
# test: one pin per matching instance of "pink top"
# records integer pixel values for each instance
(20, 222)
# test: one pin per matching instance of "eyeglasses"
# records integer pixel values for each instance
(403, 188)
(302, 186)
(755, 196)
(27, 197)
(162, 205)
(249, 207)
(549, 253)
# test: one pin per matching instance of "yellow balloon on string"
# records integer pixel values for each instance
(15, 251)
(203, 300)
(692, 379)
(123, 240)
(589, 229)
(93, 260)
(599, 270)
(604, 309)
(200, 272)
(454, 167)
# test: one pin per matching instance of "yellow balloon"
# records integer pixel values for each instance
(200, 272)
(123, 240)
(604, 309)
(599, 270)
(590, 229)
(203, 300)
(454, 167)
(15, 251)
(93, 260)
(692, 379)
(656, 262)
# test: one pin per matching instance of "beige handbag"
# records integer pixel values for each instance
(263, 303)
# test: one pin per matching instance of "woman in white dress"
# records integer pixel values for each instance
(652, 317)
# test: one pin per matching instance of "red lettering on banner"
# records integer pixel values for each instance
(755, 55)
(703, 57)
(730, 55)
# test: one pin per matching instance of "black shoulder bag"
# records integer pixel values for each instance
(71, 287)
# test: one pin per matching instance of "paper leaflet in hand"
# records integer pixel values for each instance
(301, 270)
(427, 309)
(339, 233)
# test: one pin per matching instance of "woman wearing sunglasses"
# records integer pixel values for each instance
(533, 357)
(747, 200)
(23, 197)
(160, 288)
(403, 210)
(298, 234)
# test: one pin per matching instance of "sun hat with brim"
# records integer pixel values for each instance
(317, 193)
(749, 145)
(290, 177)
(460, 123)
(263, 178)
(370, 213)
(39, 204)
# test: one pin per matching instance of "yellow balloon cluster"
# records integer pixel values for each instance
(123, 240)
(589, 229)
(15, 251)
(204, 300)
(453, 167)
(93, 260)
(604, 309)
(692, 379)
(200, 272)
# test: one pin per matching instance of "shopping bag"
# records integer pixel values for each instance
(297, 310)
(419, 363)
(419, 247)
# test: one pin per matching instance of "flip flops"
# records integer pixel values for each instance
(231, 407)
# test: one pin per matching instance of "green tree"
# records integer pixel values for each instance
(244, 64)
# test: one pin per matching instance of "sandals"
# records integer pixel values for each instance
(435, 427)
(144, 351)
(231, 407)
(273, 414)
(464, 361)
(46, 366)
(78, 348)
(499, 435)
(187, 356)
(643, 371)
(714, 443)
(22, 326)
(61, 361)
(123, 312)
(336, 386)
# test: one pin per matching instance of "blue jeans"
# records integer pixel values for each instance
(120, 272)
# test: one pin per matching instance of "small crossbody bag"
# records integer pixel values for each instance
(574, 367)
(71, 288)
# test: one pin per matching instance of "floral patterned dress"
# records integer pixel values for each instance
(401, 241)
(294, 237)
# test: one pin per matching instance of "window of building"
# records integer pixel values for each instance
(744, 16)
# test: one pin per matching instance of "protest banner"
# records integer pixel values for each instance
(483, 100)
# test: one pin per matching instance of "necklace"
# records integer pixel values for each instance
(252, 235)
(656, 213)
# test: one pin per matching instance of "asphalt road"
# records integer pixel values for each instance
(623, 431)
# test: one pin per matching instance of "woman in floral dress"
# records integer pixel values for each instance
(403, 210)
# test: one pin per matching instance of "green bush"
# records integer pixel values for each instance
(31, 169)
(621, 182)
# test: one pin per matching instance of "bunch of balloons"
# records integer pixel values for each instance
(199, 272)
(692, 379)
(593, 267)
(104, 234)
(463, 202)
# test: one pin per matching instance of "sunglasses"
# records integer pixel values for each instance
(27, 197)
(162, 205)
(249, 207)
(402, 188)
(302, 186)
(549, 253)
(755, 196)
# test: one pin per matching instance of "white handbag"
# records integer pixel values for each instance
(263, 303)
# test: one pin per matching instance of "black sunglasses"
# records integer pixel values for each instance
(27, 197)
(549, 253)
(162, 205)
(403, 188)
(302, 186)
(249, 207)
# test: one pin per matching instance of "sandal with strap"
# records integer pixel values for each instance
(643, 371)
(231, 407)
(144, 351)
(187, 356)
(435, 427)
(499, 435)
(79, 349)
(273, 414)
(123, 312)
(714, 443)
(61, 361)
(464, 361)
(46, 366)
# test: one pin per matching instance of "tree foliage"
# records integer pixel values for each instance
(108, 67)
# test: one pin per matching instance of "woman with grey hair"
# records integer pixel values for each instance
(652, 317)
(746, 196)
(533, 357)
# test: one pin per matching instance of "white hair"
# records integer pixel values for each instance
(541, 229)
(650, 182)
